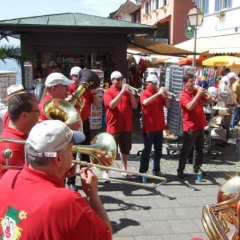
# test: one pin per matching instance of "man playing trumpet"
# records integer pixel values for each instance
(194, 121)
(153, 123)
(119, 101)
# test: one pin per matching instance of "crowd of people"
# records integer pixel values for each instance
(46, 160)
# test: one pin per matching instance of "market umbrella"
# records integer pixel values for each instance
(188, 61)
(234, 63)
(219, 61)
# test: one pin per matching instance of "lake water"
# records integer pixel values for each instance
(11, 65)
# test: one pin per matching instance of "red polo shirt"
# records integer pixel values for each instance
(42, 208)
(153, 115)
(88, 96)
(18, 157)
(119, 119)
(194, 119)
(40, 105)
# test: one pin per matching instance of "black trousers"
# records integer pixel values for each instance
(87, 141)
(192, 139)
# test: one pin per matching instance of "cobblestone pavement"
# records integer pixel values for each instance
(173, 210)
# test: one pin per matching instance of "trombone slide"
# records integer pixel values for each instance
(86, 164)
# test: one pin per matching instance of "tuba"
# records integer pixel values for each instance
(59, 109)
(217, 217)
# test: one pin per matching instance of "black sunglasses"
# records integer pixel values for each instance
(118, 79)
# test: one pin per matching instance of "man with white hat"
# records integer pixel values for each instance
(119, 101)
(57, 87)
(153, 123)
(39, 191)
(236, 91)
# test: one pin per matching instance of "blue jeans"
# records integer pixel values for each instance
(235, 116)
(149, 139)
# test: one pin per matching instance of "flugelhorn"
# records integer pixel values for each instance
(102, 152)
(216, 217)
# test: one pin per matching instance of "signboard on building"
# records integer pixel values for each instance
(189, 31)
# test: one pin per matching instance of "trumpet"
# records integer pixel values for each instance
(102, 153)
(104, 86)
(206, 93)
(137, 91)
(173, 95)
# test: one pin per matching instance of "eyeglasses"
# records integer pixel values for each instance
(118, 79)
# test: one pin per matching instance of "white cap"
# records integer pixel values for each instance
(56, 78)
(116, 74)
(213, 91)
(51, 136)
(232, 75)
(75, 70)
(152, 78)
(14, 89)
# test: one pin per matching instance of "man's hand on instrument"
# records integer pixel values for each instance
(76, 125)
(89, 182)
(201, 91)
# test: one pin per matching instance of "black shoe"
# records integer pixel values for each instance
(203, 173)
(181, 175)
(72, 187)
(189, 161)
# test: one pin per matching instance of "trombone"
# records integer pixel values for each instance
(102, 153)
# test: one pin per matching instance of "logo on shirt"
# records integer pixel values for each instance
(10, 229)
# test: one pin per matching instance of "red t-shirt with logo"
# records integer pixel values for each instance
(195, 119)
(118, 119)
(42, 208)
(152, 114)
(18, 156)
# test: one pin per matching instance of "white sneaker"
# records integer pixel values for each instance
(126, 175)
(105, 175)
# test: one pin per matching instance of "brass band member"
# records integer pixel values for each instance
(39, 191)
(90, 97)
(194, 121)
(119, 102)
(23, 114)
(153, 123)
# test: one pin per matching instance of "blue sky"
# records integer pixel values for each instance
(11, 9)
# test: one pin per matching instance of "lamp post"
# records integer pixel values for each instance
(195, 18)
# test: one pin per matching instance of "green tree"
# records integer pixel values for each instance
(9, 51)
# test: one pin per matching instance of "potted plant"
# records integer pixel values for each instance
(221, 14)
